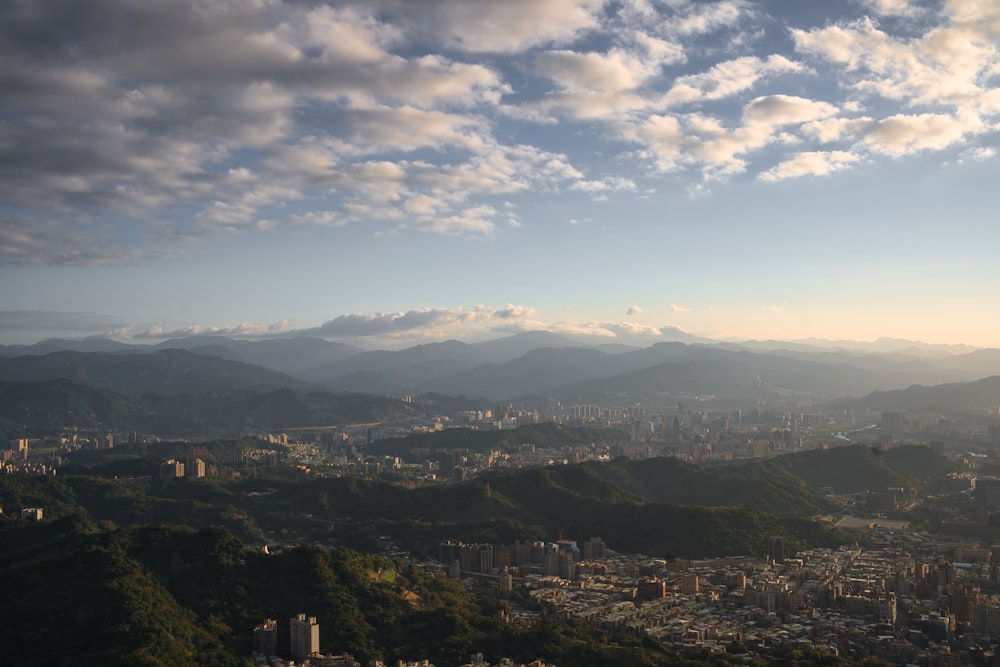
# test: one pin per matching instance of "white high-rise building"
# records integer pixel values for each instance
(303, 636)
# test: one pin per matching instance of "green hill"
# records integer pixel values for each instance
(545, 435)
(852, 469)
(158, 595)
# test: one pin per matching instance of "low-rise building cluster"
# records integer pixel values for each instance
(903, 597)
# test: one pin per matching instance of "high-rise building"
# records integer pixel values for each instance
(303, 637)
(20, 448)
(265, 637)
(172, 469)
(892, 421)
(506, 581)
(197, 468)
(594, 548)
(776, 549)
(988, 491)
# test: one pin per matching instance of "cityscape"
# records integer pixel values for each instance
(520, 333)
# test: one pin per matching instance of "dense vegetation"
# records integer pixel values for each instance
(658, 506)
(547, 435)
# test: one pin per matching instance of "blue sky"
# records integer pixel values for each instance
(386, 172)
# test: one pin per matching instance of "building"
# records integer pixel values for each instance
(776, 549)
(265, 637)
(303, 637)
(594, 549)
(988, 492)
(892, 421)
(172, 469)
(197, 468)
(20, 448)
(32, 513)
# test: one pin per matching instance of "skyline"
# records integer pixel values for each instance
(386, 176)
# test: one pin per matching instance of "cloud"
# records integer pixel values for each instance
(57, 242)
(590, 329)
(413, 321)
(728, 78)
(812, 163)
(893, 7)
(674, 308)
(634, 310)
(118, 146)
(487, 26)
(944, 66)
(786, 110)
(613, 184)
(980, 154)
(244, 329)
(903, 134)
(699, 18)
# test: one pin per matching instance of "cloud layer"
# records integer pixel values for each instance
(134, 130)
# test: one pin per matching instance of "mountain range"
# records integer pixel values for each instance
(524, 367)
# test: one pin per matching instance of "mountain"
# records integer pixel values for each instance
(952, 398)
(295, 356)
(724, 373)
(678, 369)
(51, 345)
(539, 363)
(164, 372)
(500, 350)
(53, 406)
(417, 369)
(973, 365)
(880, 345)
(166, 595)
(534, 374)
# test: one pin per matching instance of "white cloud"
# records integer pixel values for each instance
(606, 184)
(728, 78)
(611, 72)
(893, 7)
(244, 329)
(674, 308)
(786, 110)
(416, 321)
(904, 134)
(980, 154)
(811, 163)
(634, 310)
(699, 18)
(513, 25)
(942, 67)
(835, 129)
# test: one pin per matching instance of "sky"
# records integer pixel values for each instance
(391, 172)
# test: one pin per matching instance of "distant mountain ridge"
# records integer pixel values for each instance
(163, 372)
(948, 398)
(527, 365)
(55, 406)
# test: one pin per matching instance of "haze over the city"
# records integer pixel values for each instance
(389, 173)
